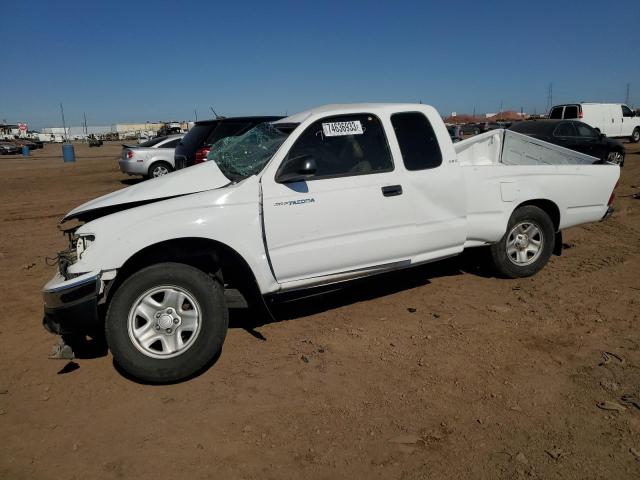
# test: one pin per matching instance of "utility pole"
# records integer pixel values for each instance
(626, 98)
(86, 130)
(64, 125)
(195, 112)
(550, 97)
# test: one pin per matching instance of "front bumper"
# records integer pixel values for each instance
(71, 306)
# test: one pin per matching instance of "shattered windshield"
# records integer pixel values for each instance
(245, 155)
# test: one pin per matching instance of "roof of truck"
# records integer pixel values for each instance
(346, 108)
(258, 118)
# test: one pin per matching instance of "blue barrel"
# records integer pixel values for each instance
(68, 153)
(25, 151)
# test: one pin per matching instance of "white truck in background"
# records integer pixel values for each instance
(323, 196)
(615, 120)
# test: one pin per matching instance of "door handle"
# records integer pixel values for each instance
(392, 190)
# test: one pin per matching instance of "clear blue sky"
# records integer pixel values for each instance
(159, 60)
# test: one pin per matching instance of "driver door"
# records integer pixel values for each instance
(351, 216)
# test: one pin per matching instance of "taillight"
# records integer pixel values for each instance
(201, 154)
(613, 195)
(130, 154)
(580, 114)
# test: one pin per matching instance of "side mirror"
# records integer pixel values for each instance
(602, 136)
(296, 169)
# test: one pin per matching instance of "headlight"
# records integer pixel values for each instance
(83, 243)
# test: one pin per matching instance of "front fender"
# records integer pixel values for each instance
(230, 216)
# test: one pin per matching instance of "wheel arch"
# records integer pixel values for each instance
(551, 209)
(210, 256)
(547, 206)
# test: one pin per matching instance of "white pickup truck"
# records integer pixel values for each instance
(320, 197)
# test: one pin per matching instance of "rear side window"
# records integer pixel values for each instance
(193, 140)
(626, 111)
(418, 143)
(585, 130)
(565, 130)
(227, 129)
(152, 142)
(571, 111)
(345, 145)
(170, 144)
(556, 113)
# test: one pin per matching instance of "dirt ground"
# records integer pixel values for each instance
(437, 372)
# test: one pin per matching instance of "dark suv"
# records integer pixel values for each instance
(195, 145)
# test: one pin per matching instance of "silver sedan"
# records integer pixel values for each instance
(150, 159)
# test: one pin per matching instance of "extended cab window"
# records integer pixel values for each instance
(345, 145)
(418, 143)
(571, 111)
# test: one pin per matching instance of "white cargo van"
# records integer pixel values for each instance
(612, 119)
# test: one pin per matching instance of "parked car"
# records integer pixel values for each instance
(93, 141)
(195, 146)
(455, 133)
(8, 148)
(613, 119)
(323, 196)
(470, 129)
(576, 136)
(150, 159)
(32, 145)
(39, 143)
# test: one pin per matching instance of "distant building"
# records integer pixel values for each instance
(76, 133)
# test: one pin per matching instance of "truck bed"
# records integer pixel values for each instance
(511, 148)
(503, 169)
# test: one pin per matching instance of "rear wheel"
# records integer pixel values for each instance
(166, 322)
(635, 136)
(159, 169)
(527, 244)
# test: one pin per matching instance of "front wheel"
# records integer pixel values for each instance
(635, 136)
(166, 322)
(527, 244)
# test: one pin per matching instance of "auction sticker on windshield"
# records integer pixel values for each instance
(336, 129)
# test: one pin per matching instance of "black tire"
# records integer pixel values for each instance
(476, 131)
(206, 290)
(635, 136)
(616, 161)
(157, 167)
(511, 268)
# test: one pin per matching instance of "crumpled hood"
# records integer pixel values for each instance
(199, 178)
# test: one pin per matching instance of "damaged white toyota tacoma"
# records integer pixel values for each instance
(324, 196)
